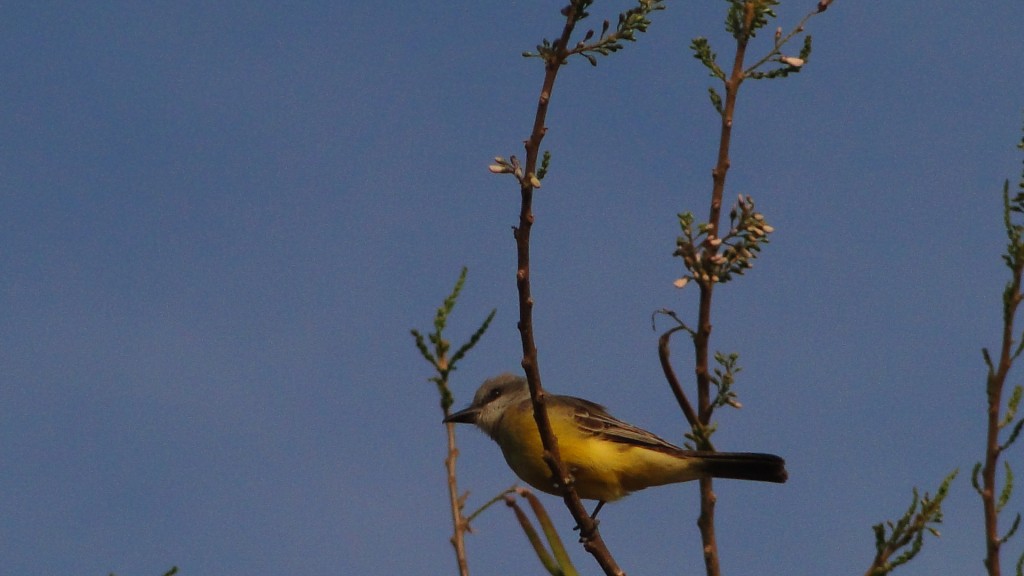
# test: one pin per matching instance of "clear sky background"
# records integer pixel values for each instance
(218, 223)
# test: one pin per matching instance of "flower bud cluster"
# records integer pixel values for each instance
(512, 166)
(710, 258)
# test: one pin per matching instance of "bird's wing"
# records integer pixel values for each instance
(594, 419)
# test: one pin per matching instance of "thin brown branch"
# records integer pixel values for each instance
(589, 533)
(781, 41)
(880, 565)
(995, 384)
(460, 524)
(673, 380)
(701, 340)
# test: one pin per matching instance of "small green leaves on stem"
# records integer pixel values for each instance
(716, 101)
(708, 258)
(984, 475)
(763, 10)
(1004, 494)
(444, 365)
(438, 357)
(630, 22)
(743, 20)
(906, 535)
(1011, 413)
(699, 438)
(723, 379)
(545, 163)
(1014, 257)
(702, 51)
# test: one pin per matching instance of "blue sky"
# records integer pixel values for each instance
(219, 222)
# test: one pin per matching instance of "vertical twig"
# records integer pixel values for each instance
(994, 391)
(589, 533)
(459, 523)
(444, 364)
(702, 337)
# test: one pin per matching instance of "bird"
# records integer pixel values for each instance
(607, 458)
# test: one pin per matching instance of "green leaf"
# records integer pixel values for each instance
(550, 533)
(1011, 406)
(532, 537)
(545, 163)
(716, 101)
(1013, 435)
(805, 51)
(1012, 531)
(975, 473)
(702, 51)
(1004, 495)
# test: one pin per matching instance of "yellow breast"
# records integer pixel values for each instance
(602, 469)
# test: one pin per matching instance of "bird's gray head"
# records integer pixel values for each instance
(491, 400)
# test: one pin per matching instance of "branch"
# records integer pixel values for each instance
(443, 365)
(906, 535)
(713, 257)
(706, 520)
(553, 61)
(995, 383)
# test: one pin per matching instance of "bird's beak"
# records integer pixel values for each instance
(465, 416)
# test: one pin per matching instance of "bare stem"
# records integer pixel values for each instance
(673, 380)
(458, 539)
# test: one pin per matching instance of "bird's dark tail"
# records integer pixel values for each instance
(743, 466)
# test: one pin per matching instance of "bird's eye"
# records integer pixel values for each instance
(495, 393)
